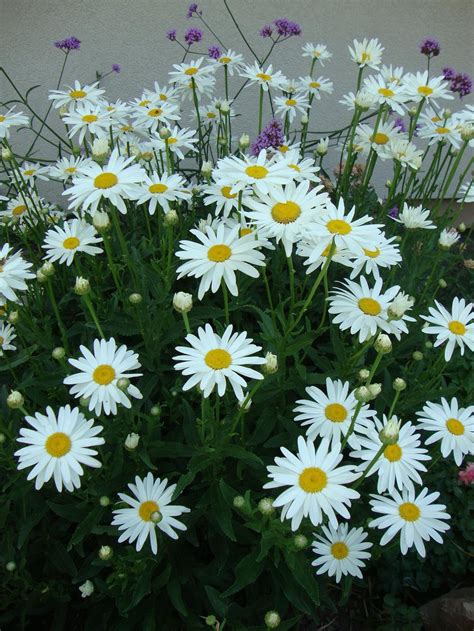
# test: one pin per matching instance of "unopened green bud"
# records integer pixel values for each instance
(135, 299)
(155, 410)
(211, 620)
(300, 542)
(442, 283)
(58, 353)
(238, 501)
(417, 356)
(104, 501)
(15, 400)
(363, 374)
(265, 506)
(272, 619)
(399, 384)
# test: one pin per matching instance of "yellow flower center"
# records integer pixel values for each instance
(436, 119)
(373, 254)
(70, 170)
(171, 140)
(326, 250)
(386, 92)
(155, 111)
(243, 232)
(1, 340)
(58, 444)
(191, 71)
(393, 453)
(283, 148)
(2, 118)
(90, 118)
(335, 412)
(365, 57)
(264, 77)
(105, 180)
(219, 253)
(369, 306)
(314, 84)
(163, 97)
(77, 94)
(103, 374)
(457, 327)
(454, 426)
(146, 509)
(313, 480)
(144, 103)
(157, 188)
(443, 130)
(29, 172)
(226, 192)
(379, 138)
(338, 226)
(339, 550)
(295, 167)
(19, 210)
(257, 172)
(409, 511)
(286, 212)
(224, 60)
(218, 358)
(210, 115)
(291, 102)
(126, 128)
(425, 90)
(71, 243)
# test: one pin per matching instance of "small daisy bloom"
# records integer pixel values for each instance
(19, 209)
(149, 508)
(218, 256)
(99, 373)
(66, 168)
(160, 190)
(414, 217)
(415, 517)
(154, 116)
(305, 249)
(11, 119)
(62, 243)
(450, 424)
(405, 152)
(316, 86)
(391, 74)
(83, 94)
(367, 138)
(230, 60)
(57, 446)
(400, 464)
(316, 484)
(329, 414)
(7, 335)
(367, 53)
(211, 360)
(30, 172)
(419, 86)
(185, 72)
(456, 327)
(290, 106)
(341, 552)
(383, 253)
(303, 168)
(178, 140)
(386, 92)
(264, 78)
(448, 238)
(319, 52)
(222, 196)
(440, 132)
(163, 93)
(88, 118)
(14, 271)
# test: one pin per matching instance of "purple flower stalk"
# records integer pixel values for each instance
(286, 28)
(71, 43)
(266, 31)
(116, 68)
(430, 47)
(171, 34)
(192, 36)
(462, 84)
(214, 52)
(393, 212)
(270, 136)
(193, 10)
(449, 73)
(400, 124)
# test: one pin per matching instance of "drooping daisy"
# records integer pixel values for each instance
(456, 327)
(420, 86)
(149, 508)
(114, 181)
(413, 217)
(68, 167)
(383, 253)
(329, 414)
(367, 138)
(99, 373)
(264, 78)
(76, 94)
(211, 360)
(405, 152)
(341, 551)
(222, 196)
(57, 447)
(13, 273)
(218, 256)
(230, 60)
(319, 52)
(177, 140)
(415, 517)
(316, 483)
(11, 119)
(363, 100)
(62, 243)
(400, 464)
(316, 86)
(290, 106)
(285, 212)
(161, 190)
(367, 53)
(88, 118)
(7, 335)
(450, 424)
(386, 92)
(448, 238)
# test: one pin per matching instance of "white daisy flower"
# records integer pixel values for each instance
(7, 335)
(218, 256)
(466, 193)
(316, 86)
(88, 118)
(118, 111)
(316, 484)
(419, 86)
(99, 373)
(230, 60)
(184, 72)
(363, 100)
(448, 238)
(83, 94)
(303, 168)
(319, 52)
(159, 93)
(329, 414)
(114, 181)
(367, 53)
(415, 517)
(19, 209)
(211, 360)
(13, 273)
(148, 509)
(405, 152)
(154, 116)
(450, 424)
(62, 243)
(178, 140)
(161, 190)
(305, 248)
(413, 217)
(11, 119)
(391, 74)
(222, 196)
(400, 464)
(386, 92)
(382, 253)
(31, 172)
(456, 327)
(57, 447)
(341, 552)
(290, 106)
(367, 138)
(264, 78)
(66, 168)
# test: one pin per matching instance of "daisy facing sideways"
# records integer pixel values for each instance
(57, 445)
(455, 327)
(341, 552)
(148, 508)
(62, 243)
(14, 271)
(7, 335)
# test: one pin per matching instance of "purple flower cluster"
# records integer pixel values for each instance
(116, 68)
(71, 43)
(171, 34)
(400, 125)
(430, 47)
(193, 9)
(214, 52)
(287, 28)
(449, 73)
(266, 31)
(192, 36)
(393, 212)
(460, 82)
(270, 136)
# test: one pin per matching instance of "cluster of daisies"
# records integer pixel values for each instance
(135, 154)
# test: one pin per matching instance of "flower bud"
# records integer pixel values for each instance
(225, 107)
(58, 353)
(15, 400)
(244, 141)
(6, 154)
(271, 364)
(171, 218)
(182, 302)
(383, 344)
(165, 133)
(442, 283)
(156, 517)
(272, 619)
(362, 394)
(304, 119)
(131, 442)
(40, 277)
(428, 344)
(238, 501)
(10, 566)
(417, 356)
(13, 317)
(147, 156)
(389, 434)
(135, 299)
(105, 553)
(100, 148)
(47, 269)
(84, 402)
(206, 168)
(86, 589)
(375, 389)
(211, 620)
(3, 438)
(412, 112)
(104, 501)
(101, 221)
(155, 410)
(82, 286)
(363, 374)
(400, 306)
(265, 506)
(462, 227)
(388, 183)
(300, 542)
(399, 384)
(63, 110)
(123, 384)
(322, 146)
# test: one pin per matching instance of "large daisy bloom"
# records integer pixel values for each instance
(211, 360)
(386, 92)
(14, 271)
(455, 327)
(57, 446)
(400, 464)
(62, 243)
(419, 86)
(11, 119)
(218, 256)
(88, 118)
(222, 196)
(76, 94)
(99, 373)
(415, 517)
(367, 138)
(149, 508)
(316, 483)
(341, 552)
(413, 217)
(160, 190)
(230, 60)
(115, 181)
(383, 253)
(450, 424)
(329, 414)
(67, 167)
(264, 78)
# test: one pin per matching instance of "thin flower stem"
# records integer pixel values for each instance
(54, 304)
(260, 110)
(226, 301)
(90, 307)
(365, 473)
(291, 274)
(186, 322)
(394, 403)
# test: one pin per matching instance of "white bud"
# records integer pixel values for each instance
(10, 566)
(206, 168)
(364, 374)
(131, 442)
(399, 384)
(271, 364)
(182, 302)
(272, 619)
(100, 148)
(40, 277)
(389, 434)
(400, 305)
(15, 400)
(300, 542)
(156, 517)
(304, 119)
(375, 389)
(265, 506)
(462, 227)
(105, 553)
(322, 146)
(58, 353)
(165, 133)
(6, 154)
(13, 317)
(171, 218)
(364, 100)
(101, 221)
(104, 501)
(225, 107)
(362, 394)
(238, 501)
(86, 589)
(244, 141)
(47, 269)
(135, 299)
(82, 286)
(383, 344)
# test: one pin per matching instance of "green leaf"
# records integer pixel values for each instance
(246, 571)
(86, 525)
(175, 593)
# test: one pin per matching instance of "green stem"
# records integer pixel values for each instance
(260, 110)
(186, 322)
(226, 301)
(90, 307)
(369, 467)
(54, 304)
(394, 403)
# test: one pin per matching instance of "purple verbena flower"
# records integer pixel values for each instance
(266, 31)
(171, 34)
(286, 28)
(430, 47)
(462, 84)
(393, 212)
(116, 68)
(193, 9)
(400, 124)
(270, 136)
(192, 36)
(449, 73)
(71, 43)
(214, 52)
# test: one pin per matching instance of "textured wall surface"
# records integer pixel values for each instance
(133, 34)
